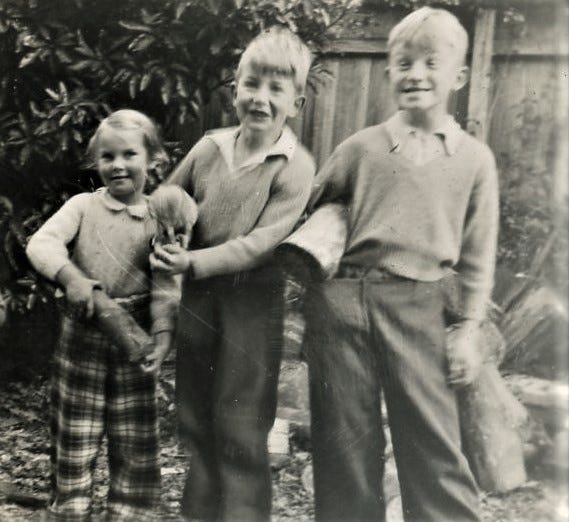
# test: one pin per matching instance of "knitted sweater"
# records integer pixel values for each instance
(111, 244)
(417, 221)
(243, 213)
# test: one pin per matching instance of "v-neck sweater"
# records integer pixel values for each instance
(242, 214)
(417, 221)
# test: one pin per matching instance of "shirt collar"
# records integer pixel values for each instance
(225, 140)
(397, 129)
(139, 211)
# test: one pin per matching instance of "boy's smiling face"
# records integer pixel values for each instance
(423, 72)
(264, 99)
(122, 163)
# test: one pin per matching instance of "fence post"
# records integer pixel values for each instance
(481, 70)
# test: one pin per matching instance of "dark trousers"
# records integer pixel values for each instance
(367, 336)
(229, 350)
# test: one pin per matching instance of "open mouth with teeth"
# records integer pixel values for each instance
(259, 114)
(415, 89)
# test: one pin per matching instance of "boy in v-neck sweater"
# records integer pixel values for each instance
(422, 202)
(251, 185)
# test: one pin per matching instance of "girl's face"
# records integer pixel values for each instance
(123, 162)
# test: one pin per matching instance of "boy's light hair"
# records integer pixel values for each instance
(278, 50)
(129, 119)
(437, 22)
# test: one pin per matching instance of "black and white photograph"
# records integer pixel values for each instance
(284, 260)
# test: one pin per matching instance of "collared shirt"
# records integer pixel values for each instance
(226, 138)
(419, 146)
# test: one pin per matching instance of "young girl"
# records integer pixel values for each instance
(95, 389)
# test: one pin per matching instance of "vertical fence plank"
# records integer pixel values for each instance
(324, 110)
(482, 51)
(351, 97)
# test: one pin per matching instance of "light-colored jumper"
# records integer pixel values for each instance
(110, 242)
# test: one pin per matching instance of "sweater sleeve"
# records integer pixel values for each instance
(332, 183)
(165, 297)
(289, 195)
(47, 248)
(476, 264)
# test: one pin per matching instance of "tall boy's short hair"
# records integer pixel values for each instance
(439, 22)
(278, 50)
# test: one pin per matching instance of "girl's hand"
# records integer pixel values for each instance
(463, 354)
(153, 361)
(79, 294)
(171, 259)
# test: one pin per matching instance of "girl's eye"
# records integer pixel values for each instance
(431, 62)
(276, 87)
(130, 153)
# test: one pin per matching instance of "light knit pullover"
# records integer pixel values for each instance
(243, 212)
(111, 245)
(417, 221)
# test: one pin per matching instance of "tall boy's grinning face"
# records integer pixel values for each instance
(423, 72)
(122, 162)
(264, 99)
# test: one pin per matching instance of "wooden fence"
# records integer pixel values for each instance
(516, 98)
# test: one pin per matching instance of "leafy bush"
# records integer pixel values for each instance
(67, 64)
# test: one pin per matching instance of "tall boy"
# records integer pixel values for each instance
(422, 202)
(251, 185)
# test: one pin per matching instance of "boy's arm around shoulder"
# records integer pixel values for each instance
(318, 244)
(288, 198)
(333, 182)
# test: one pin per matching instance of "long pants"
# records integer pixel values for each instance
(228, 357)
(96, 391)
(372, 335)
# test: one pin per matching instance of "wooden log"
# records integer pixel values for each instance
(490, 419)
(120, 326)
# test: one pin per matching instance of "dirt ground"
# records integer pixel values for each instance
(24, 465)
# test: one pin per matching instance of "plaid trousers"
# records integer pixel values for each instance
(96, 392)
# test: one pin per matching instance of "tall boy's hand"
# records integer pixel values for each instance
(171, 259)
(463, 353)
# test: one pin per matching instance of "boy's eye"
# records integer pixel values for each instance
(250, 82)
(276, 87)
(403, 64)
(106, 156)
(431, 62)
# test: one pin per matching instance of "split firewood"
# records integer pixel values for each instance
(491, 419)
